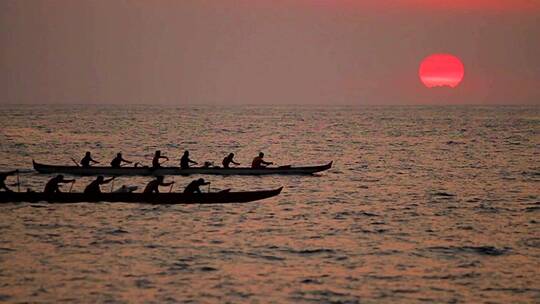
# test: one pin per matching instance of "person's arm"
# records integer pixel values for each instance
(126, 161)
(165, 157)
(167, 184)
(192, 161)
(106, 181)
(94, 161)
(65, 181)
(232, 161)
(267, 163)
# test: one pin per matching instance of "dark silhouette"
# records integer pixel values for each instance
(153, 186)
(125, 189)
(259, 163)
(185, 161)
(228, 160)
(93, 187)
(53, 185)
(3, 176)
(117, 161)
(85, 162)
(193, 187)
(157, 157)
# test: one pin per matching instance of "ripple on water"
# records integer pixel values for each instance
(324, 296)
(481, 250)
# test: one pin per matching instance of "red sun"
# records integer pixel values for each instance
(439, 70)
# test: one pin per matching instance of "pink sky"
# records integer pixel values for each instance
(262, 51)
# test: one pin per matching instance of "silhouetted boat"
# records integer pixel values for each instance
(222, 197)
(74, 170)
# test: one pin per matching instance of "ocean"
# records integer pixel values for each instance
(423, 204)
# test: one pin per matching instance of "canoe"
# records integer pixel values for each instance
(74, 170)
(223, 197)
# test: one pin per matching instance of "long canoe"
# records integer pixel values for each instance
(223, 197)
(74, 170)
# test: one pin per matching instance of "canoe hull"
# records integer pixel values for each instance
(158, 199)
(145, 171)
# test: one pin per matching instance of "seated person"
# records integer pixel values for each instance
(118, 160)
(259, 163)
(193, 187)
(85, 162)
(53, 185)
(94, 186)
(185, 161)
(153, 186)
(228, 160)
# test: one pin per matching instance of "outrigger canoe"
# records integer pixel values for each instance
(75, 170)
(223, 197)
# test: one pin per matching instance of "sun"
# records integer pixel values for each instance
(440, 70)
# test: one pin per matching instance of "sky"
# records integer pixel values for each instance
(265, 51)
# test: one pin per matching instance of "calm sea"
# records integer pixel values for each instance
(424, 204)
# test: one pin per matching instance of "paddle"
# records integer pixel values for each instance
(71, 187)
(74, 161)
(112, 185)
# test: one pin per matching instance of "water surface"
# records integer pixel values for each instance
(424, 204)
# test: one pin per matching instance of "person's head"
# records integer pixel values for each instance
(159, 178)
(186, 153)
(59, 177)
(158, 152)
(100, 178)
(261, 155)
(231, 155)
(87, 153)
(119, 154)
(201, 181)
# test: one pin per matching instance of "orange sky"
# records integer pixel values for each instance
(500, 5)
(262, 51)
(504, 6)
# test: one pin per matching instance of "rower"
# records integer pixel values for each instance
(117, 161)
(185, 161)
(3, 176)
(153, 186)
(93, 187)
(259, 163)
(228, 160)
(193, 187)
(85, 162)
(53, 185)
(157, 156)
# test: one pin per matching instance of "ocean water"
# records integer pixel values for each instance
(423, 204)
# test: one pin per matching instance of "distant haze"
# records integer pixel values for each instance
(265, 51)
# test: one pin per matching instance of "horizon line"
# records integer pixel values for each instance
(277, 105)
